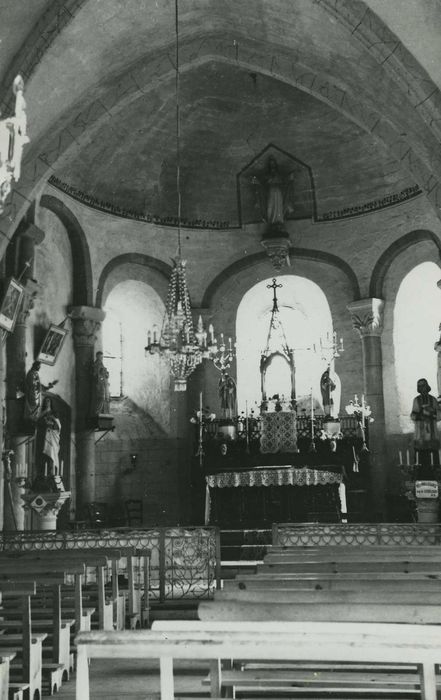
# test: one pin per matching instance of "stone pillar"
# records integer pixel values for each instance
(367, 320)
(86, 321)
(20, 434)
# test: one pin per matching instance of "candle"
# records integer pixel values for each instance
(149, 337)
(431, 459)
(341, 344)
(407, 458)
(312, 415)
(400, 456)
(61, 468)
(211, 332)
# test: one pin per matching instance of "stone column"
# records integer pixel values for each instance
(86, 321)
(367, 320)
(20, 434)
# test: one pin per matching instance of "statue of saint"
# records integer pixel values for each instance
(425, 414)
(327, 386)
(227, 395)
(33, 388)
(100, 398)
(51, 440)
(275, 200)
(33, 393)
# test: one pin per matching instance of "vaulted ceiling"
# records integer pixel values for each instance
(325, 82)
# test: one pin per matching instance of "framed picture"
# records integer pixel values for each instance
(51, 346)
(11, 304)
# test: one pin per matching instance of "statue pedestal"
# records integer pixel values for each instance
(428, 510)
(46, 506)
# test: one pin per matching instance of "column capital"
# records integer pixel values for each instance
(86, 322)
(367, 316)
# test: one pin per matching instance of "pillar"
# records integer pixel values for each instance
(20, 435)
(367, 320)
(86, 321)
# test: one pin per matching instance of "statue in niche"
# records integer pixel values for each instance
(425, 414)
(100, 396)
(437, 348)
(327, 387)
(274, 194)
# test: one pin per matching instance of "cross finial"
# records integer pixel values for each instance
(274, 286)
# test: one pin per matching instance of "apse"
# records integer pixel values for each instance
(416, 322)
(306, 318)
(132, 307)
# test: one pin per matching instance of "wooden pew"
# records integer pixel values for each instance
(64, 558)
(26, 668)
(305, 641)
(55, 658)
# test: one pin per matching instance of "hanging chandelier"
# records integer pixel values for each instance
(179, 343)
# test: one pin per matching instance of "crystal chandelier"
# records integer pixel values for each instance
(13, 137)
(179, 343)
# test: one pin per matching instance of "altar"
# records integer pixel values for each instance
(271, 493)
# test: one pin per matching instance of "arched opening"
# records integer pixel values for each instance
(306, 318)
(415, 331)
(132, 308)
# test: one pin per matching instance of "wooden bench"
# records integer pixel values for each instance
(26, 668)
(283, 641)
(56, 656)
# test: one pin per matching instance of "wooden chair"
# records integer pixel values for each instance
(98, 514)
(134, 514)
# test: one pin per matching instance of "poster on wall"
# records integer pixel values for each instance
(52, 344)
(11, 304)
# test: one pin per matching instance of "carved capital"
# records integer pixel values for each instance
(86, 323)
(367, 316)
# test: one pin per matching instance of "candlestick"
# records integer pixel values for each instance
(246, 427)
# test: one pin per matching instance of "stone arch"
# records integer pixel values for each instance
(82, 267)
(162, 270)
(295, 253)
(396, 248)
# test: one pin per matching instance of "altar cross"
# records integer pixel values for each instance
(274, 286)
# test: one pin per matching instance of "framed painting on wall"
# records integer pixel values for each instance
(11, 304)
(52, 344)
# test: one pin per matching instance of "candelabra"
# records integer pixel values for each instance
(361, 411)
(330, 347)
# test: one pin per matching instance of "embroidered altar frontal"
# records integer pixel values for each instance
(267, 493)
(278, 476)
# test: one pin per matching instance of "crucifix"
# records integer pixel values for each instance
(276, 347)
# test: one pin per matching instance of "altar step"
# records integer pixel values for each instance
(244, 545)
(174, 610)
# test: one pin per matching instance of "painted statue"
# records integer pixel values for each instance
(100, 395)
(51, 440)
(425, 414)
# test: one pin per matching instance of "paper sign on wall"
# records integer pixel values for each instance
(426, 489)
